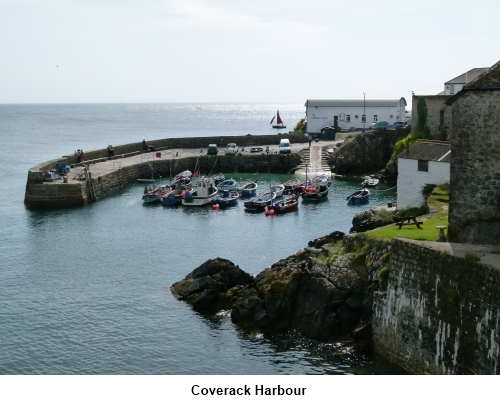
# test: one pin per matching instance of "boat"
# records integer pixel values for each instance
(228, 184)
(261, 201)
(359, 197)
(255, 149)
(218, 178)
(279, 123)
(204, 193)
(183, 175)
(248, 189)
(228, 199)
(292, 185)
(281, 206)
(370, 182)
(154, 193)
(175, 196)
(315, 193)
(278, 189)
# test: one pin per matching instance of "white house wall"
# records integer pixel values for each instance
(411, 181)
(320, 117)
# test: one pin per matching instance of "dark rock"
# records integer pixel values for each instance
(212, 286)
(333, 237)
(372, 219)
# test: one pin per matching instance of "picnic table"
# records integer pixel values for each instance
(409, 221)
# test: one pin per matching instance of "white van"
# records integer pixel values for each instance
(285, 146)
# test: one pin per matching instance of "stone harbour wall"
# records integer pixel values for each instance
(474, 215)
(439, 313)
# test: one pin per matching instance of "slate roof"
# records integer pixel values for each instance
(467, 76)
(354, 102)
(488, 80)
(428, 150)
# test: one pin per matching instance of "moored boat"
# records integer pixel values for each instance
(261, 201)
(228, 199)
(315, 194)
(278, 189)
(204, 193)
(248, 189)
(228, 184)
(218, 178)
(292, 185)
(370, 182)
(281, 206)
(359, 197)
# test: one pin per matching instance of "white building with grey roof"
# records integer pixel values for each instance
(425, 162)
(350, 113)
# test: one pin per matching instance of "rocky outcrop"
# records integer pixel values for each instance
(373, 218)
(366, 153)
(322, 292)
(213, 286)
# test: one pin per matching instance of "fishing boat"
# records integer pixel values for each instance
(281, 206)
(175, 196)
(260, 202)
(292, 185)
(279, 123)
(370, 182)
(154, 193)
(278, 189)
(183, 175)
(359, 197)
(204, 193)
(228, 199)
(256, 149)
(248, 189)
(218, 178)
(315, 193)
(228, 184)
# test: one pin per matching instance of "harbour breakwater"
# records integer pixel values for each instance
(422, 305)
(163, 156)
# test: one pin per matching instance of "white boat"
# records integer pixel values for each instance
(279, 123)
(278, 189)
(204, 193)
(370, 182)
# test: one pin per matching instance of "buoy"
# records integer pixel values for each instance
(289, 192)
(183, 193)
(161, 199)
(271, 212)
(215, 206)
(304, 189)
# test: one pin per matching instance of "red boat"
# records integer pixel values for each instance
(282, 206)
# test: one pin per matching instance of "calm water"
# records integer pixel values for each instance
(86, 290)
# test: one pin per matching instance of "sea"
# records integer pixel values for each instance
(86, 290)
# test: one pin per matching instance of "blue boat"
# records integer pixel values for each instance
(248, 189)
(359, 197)
(228, 199)
(228, 184)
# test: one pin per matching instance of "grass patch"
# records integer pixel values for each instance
(428, 231)
(383, 274)
(471, 256)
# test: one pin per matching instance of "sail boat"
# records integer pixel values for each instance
(279, 122)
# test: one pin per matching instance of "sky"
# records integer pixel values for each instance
(272, 51)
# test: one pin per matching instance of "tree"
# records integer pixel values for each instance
(422, 117)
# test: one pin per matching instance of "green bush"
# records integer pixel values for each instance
(301, 126)
(383, 274)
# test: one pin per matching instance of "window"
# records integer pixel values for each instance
(423, 165)
(356, 116)
(375, 118)
(348, 118)
(363, 118)
(390, 116)
(397, 117)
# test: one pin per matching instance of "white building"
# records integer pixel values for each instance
(426, 162)
(352, 113)
(456, 84)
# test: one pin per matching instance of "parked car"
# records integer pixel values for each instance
(212, 149)
(285, 146)
(231, 149)
(381, 124)
(399, 124)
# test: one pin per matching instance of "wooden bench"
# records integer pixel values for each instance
(408, 221)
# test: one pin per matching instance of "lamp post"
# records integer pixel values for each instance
(364, 111)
